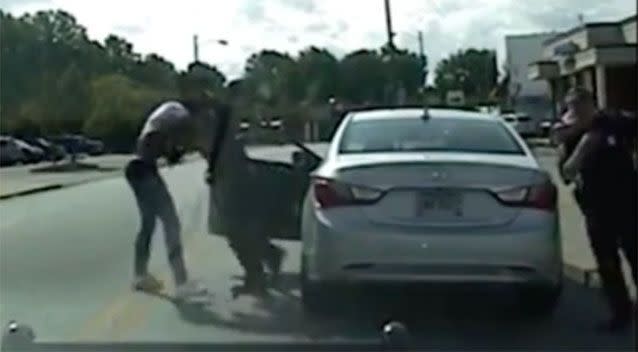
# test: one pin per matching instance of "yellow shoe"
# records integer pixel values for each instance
(147, 283)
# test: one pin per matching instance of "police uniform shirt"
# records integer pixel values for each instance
(609, 176)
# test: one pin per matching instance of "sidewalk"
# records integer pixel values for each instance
(21, 180)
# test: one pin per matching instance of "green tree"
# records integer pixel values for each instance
(320, 72)
(269, 76)
(404, 71)
(119, 106)
(473, 71)
(156, 72)
(363, 77)
(62, 81)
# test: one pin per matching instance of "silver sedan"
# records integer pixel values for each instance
(430, 196)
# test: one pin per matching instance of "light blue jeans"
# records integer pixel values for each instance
(154, 201)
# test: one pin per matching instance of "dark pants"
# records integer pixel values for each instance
(253, 250)
(607, 234)
(155, 202)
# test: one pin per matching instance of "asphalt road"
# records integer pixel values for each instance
(65, 269)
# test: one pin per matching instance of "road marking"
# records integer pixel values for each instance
(135, 315)
(99, 322)
(125, 313)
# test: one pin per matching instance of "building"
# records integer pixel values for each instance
(524, 94)
(598, 56)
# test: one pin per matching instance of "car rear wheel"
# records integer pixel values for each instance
(540, 302)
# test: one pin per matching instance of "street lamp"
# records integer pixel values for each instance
(222, 42)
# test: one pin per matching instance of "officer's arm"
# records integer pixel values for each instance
(577, 159)
(562, 157)
(561, 132)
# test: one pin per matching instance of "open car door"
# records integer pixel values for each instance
(282, 189)
(274, 195)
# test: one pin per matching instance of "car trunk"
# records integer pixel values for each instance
(441, 193)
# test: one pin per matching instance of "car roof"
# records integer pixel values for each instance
(415, 113)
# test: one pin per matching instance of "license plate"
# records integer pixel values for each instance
(439, 201)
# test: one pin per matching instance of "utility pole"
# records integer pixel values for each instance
(195, 48)
(581, 19)
(388, 24)
(422, 57)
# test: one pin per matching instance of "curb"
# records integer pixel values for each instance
(71, 184)
(586, 277)
(32, 191)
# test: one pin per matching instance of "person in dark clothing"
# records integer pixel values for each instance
(233, 180)
(601, 162)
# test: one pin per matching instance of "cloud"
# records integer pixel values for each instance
(317, 27)
(13, 4)
(127, 30)
(339, 25)
(302, 5)
(254, 10)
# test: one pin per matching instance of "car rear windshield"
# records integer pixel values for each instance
(441, 135)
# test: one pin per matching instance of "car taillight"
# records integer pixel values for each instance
(329, 194)
(542, 196)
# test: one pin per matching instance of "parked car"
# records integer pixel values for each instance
(52, 152)
(546, 127)
(10, 152)
(32, 154)
(522, 123)
(438, 196)
(76, 144)
(94, 147)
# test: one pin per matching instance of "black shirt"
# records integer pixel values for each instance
(608, 174)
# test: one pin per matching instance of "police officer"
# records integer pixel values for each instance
(602, 161)
(169, 131)
(241, 217)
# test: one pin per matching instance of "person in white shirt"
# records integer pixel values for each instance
(169, 132)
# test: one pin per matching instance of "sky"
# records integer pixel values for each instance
(166, 27)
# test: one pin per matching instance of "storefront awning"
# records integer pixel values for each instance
(606, 56)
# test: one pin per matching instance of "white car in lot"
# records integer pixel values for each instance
(412, 196)
(522, 123)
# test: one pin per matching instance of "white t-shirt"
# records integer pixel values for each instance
(164, 120)
(165, 117)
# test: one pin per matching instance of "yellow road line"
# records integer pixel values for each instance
(135, 314)
(125, 312)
